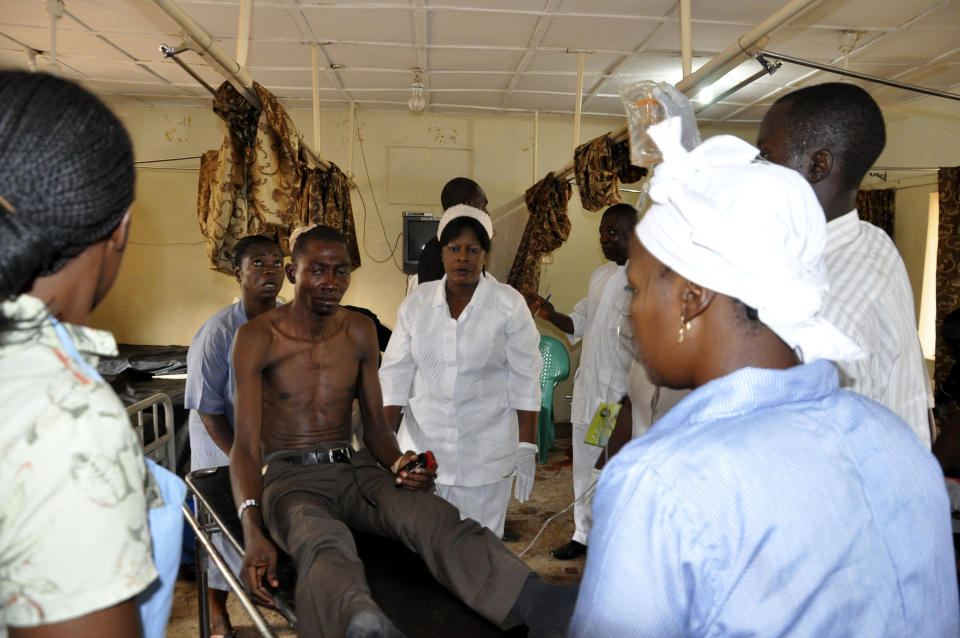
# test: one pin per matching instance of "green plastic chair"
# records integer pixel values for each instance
(556, 368)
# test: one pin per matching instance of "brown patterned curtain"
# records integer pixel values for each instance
(259, 182)
(948, 262)
(597, 166)
(878, 207)
(547, 228)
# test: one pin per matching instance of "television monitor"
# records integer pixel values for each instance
(417, 229)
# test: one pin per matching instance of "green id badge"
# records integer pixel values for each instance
(602, 424)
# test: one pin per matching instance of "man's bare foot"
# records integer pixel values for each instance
(219, 618)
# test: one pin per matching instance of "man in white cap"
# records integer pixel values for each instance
(767, 502)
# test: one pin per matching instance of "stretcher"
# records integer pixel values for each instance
(399, 581)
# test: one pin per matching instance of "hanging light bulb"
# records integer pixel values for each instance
(417, 102)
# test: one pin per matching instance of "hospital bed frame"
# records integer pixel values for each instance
(398, 579)
(162, 448)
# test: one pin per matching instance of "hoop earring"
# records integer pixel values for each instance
(684, 326)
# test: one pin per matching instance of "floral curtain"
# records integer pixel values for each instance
(878, 207)
(260, 181)
(597, 166)
(948, 262)
(547, 228)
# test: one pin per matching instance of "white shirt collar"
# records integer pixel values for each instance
(842, 230)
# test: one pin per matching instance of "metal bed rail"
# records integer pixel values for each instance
(162, 448)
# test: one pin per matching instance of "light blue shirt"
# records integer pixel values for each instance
(770, 503)
(210, 382)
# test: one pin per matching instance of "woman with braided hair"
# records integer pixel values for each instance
(77, 501)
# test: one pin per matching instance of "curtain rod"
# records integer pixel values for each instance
(860, 76)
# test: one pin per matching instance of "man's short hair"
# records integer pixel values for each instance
(317, 233)
(459, 190)
(247, 243)
(624, 211)
(840, 117)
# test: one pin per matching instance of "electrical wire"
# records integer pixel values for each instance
(383, 227)
(593, 486)
(167, 159)
(587, 492)
(363, 204)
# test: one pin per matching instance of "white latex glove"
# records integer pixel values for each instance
(525, 460)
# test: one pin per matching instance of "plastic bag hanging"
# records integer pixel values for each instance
(643, 110)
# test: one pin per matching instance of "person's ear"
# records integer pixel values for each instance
(819, 165)
(291, 270)
(696, 299)
(118, 238)
(236, 273)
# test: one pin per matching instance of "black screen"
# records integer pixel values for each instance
(416, 232)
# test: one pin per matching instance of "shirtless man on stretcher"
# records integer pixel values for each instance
(298, 369)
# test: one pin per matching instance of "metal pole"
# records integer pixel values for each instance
(860, 76)
(536, 141)
(243, 31)
(171, 53)
(686, 38)
(577, 108)
(733, 89)
(316, 94)
(730, 57)
(353, 130)
(235, 74)
(232, 581)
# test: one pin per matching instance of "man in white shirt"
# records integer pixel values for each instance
(602, 320)
(831, 134)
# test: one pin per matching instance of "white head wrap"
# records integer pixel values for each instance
(465, 210)
(745, 228)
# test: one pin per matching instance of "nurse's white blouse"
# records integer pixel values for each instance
(461, 381)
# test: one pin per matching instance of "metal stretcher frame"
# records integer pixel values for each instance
(163, 448)
(204, 524)
(398, 579)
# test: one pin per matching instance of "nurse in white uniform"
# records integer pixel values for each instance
(461, 376)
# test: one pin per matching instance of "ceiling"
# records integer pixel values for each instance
(481, 55)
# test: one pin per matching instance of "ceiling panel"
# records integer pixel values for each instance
(475, 48)
(473, 59)
(619, 7)
(70, 41)
(567, 62)
(564, 83)
(487, 99)
(220, 21)
(276, 54)
(372, 57)
(108, 16)
(480, 28)
(376, 79)
(854, 13)
(469, 80)
(597, 33)
(361, 23)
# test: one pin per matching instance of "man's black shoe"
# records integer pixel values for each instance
(571, 550)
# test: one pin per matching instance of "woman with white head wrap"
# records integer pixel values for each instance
(463, 365)
(767, 502)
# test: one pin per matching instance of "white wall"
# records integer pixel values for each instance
(166, 290)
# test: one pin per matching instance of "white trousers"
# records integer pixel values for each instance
(486, 504)
(584, 458)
